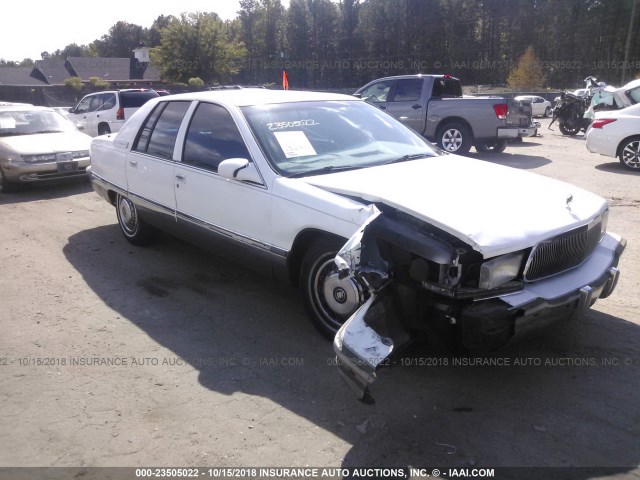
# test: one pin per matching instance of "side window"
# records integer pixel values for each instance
(96, 103)
(377, 93)
(212, 137)
(408, 90)
(83, 106)
(158, 134)
(144, 134)
(109, 101)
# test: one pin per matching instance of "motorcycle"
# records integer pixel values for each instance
(569, 112)
(575, 113)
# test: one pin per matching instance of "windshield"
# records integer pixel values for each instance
(31, 122)
(320, 137)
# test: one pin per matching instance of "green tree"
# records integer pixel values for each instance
(122, 38)
(528, 73)
(198, 45)
(153, 35)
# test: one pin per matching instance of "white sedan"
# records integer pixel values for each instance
(617, 134)
(386, 236)
(539, 106)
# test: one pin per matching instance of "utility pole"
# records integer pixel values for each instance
(627, 45)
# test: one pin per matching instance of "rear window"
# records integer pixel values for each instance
(634, 95)
(136, 99)
(446, 88)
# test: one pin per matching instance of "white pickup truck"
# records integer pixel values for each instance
(433, 105)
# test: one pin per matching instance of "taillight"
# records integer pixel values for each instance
(601, 122)
(501, 110)
(120, 114)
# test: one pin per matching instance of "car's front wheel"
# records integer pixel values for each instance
(329, 300)
(5, 185)
(630, 154)
(133, 227)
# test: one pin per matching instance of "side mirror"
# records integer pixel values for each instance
(239, 169)
(357, 95)
(80, 126)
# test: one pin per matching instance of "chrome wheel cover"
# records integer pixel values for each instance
(128, 216)
(452, 140)
(631, 154)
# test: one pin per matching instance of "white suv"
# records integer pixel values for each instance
(101, 113)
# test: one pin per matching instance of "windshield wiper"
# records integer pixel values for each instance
(323, 170)
(407, 158)
(45, 131)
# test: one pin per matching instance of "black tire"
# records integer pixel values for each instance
(566, 130)
(6, 186)
(547, 112)
(133, 227)
(454, 137)
(492, 147)
(318, 276)
(630, 154)
(104, 129)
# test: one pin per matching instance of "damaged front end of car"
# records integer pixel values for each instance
(422, 281)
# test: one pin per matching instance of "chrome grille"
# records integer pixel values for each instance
(563, 252)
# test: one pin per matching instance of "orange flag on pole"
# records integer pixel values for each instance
(285, 80)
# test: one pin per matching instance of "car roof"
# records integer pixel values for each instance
(632, 84)
(258, 96)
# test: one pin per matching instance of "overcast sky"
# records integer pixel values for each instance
(30, 28)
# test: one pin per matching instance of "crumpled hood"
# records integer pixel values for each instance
(495, 209)
(47, 143)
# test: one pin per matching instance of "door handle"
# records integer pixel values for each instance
(133, 163)
(416, 106)
(180, 177)
(97, 116)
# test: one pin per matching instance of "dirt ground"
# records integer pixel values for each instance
(113, 355)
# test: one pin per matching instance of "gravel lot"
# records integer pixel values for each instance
(112, 355)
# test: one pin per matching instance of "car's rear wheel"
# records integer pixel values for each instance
(497, 146)
(5, 185)
(630, 154)
(454, 137)
(103, 129)
(329, 300)
(567, 130)
(133, 227)
(547, 112)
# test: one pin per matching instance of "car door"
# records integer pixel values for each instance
(150, 163)
(405, 103)
(105, 112)
(92, 115)
(235, 213)
(538, 106)
(79, 114)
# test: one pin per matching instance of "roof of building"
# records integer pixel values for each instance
(113, 69)
(19, 76)
(54, 71)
